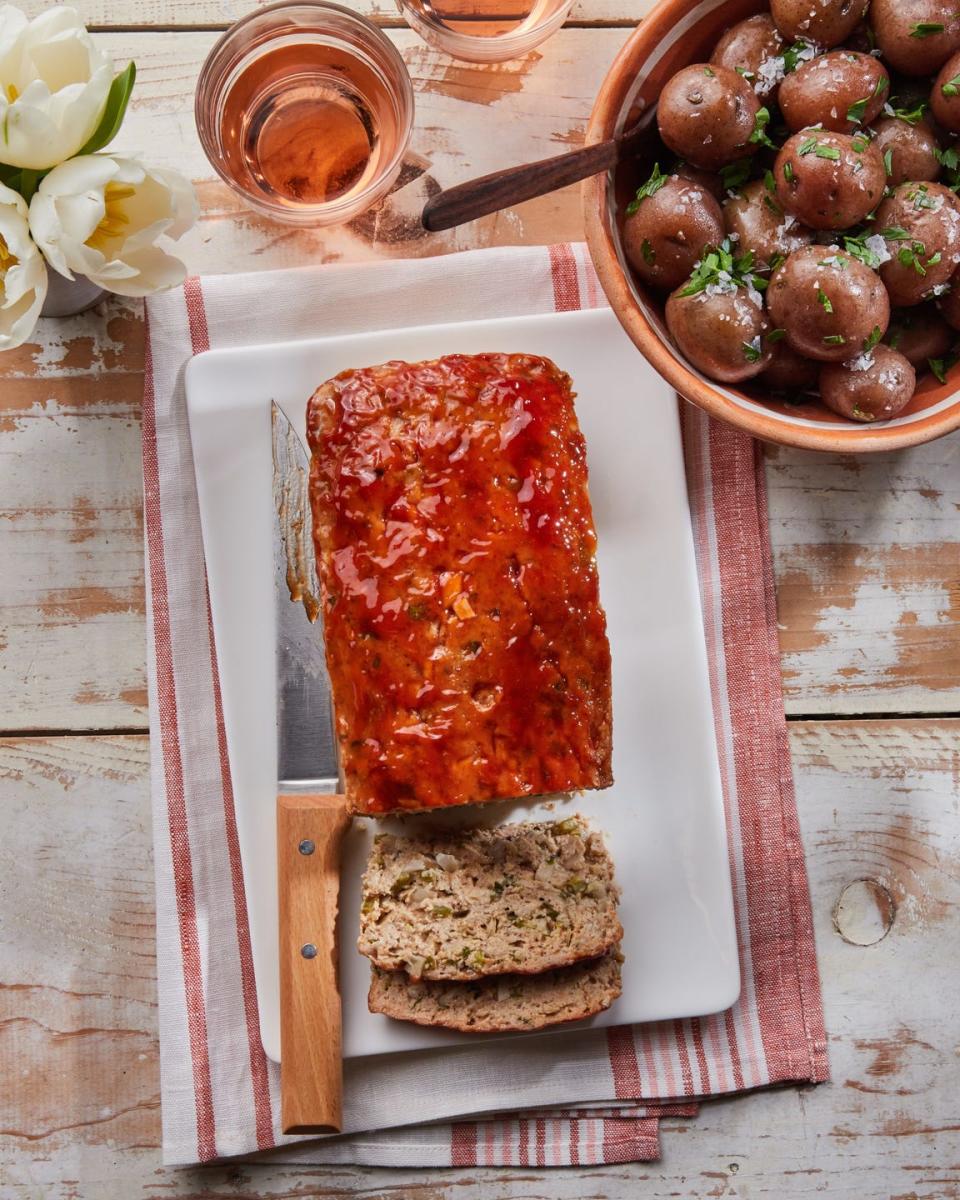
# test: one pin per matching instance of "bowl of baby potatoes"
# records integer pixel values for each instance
(782, 242)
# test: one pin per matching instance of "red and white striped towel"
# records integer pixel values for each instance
(220, 1094)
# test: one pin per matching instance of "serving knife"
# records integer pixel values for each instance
(311, 811)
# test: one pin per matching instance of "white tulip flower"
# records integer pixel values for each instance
(103, 216)
(23, 274)
(54, 84)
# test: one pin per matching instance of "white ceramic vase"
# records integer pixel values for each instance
(67, 297)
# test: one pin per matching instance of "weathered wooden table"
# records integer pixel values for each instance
(868, 573)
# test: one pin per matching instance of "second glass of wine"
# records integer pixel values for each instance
(485, 31)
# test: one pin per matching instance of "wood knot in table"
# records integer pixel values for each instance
(864, 912)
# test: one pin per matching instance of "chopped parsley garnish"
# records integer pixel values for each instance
(922, 199)
(759, 136)
(650, 188)
(788, 172)
(857, 111)
(808, 147)
(835, 339)
(734, 175)
(941, 367)
(857, 248)
(830, 152)
(949, 158)
(776, 335)
(873, 340)
(888, 162)
(912, 116)
(860, 143)
(952, 87)
(710, 74)
(718, 267)
(824, 300)
(794, 55)
(912, 255)
(770, 183)
(924, 29)
(751, 353)
(895, 233)
(951, 162)
(648, 252)
(882, 84)
(748, 75)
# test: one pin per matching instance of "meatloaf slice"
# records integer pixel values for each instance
(519, 898)
(465, 641)
(499, 1003)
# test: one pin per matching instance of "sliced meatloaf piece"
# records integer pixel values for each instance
(499, 1003)
(520, 898)
(466, 645)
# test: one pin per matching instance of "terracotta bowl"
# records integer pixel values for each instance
(677, 33)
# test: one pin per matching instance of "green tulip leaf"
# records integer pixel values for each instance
(114, 111)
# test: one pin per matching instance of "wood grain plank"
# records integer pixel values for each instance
(867, 563)
(105, 14)
(78, 1021)
(71, 539)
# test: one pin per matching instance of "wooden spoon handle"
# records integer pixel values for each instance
(311, 1076)
(490, 193)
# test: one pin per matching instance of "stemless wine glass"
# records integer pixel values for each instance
(485, 31)
(305, 110)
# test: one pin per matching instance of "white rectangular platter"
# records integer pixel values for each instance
(663, 818)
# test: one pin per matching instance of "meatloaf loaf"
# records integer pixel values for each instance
(465, 641)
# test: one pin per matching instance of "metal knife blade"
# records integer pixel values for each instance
(306, 747)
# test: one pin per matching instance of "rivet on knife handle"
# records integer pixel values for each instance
(311, 1072)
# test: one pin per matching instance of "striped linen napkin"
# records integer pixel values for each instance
(220, 1094)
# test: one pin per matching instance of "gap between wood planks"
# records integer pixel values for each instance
(792, 719)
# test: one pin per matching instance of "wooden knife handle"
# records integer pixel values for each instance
(490, 193)
(310, 830)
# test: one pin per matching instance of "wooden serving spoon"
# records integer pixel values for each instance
(501, 189)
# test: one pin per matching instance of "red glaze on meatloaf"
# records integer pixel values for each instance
(466, 644)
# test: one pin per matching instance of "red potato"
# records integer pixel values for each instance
(919, 334)
(945, 96)
(909, 151)
(920, 224)
(721, 331)
(707, 180)
(756, 222)
(875, 386)
(829, 180)
(949, 302)
(830, 304)
(789, 371)
(665, 234)
(826, 22)
(708, 114)
(841, 91)
(916, 37)
(754, 47)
